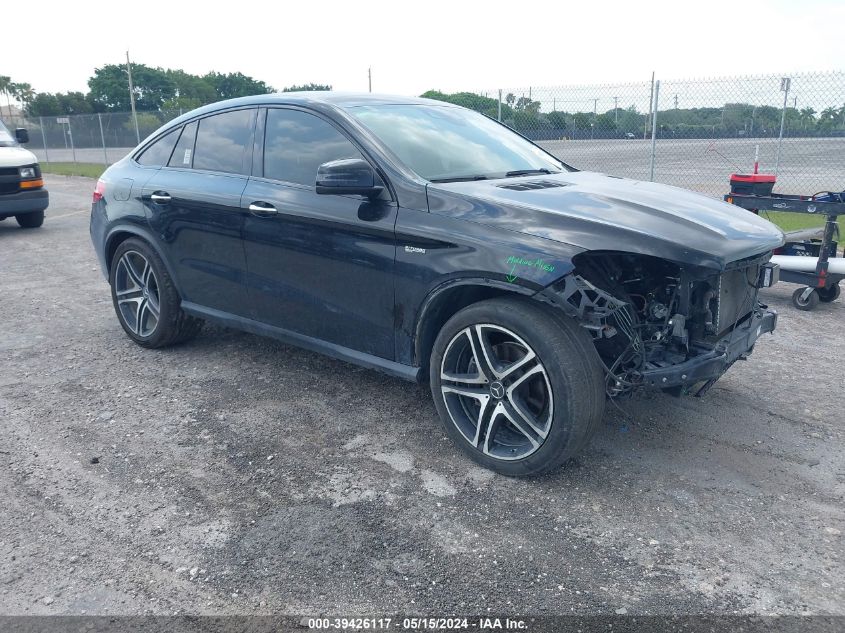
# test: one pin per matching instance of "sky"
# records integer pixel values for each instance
(416, 46)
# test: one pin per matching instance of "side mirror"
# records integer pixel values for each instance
(21, 135)
(349, 176)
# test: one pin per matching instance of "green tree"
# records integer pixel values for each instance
(473, 101)
(807, 117)
(110, 87)
(233, 85)
(307, 87)
(190, 91)
(74, 103)
(44, 104)
(828, 118)
(6, 88)
(25, 94)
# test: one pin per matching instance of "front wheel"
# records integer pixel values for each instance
(803, 300)
(519, 388)
(30, 220)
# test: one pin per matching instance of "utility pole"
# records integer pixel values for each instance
(370, 77)
(132, 98)
(595, 107)
(616, 110)
(650, 105)
(785, 83)
(676, 100)
(654, 129)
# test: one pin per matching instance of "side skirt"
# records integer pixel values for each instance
(392, 368)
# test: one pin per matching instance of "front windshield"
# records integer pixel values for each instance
(6, 138)
(443, 143)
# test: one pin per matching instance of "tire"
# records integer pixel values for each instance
(145, 299)
(565, 397)
(807, 304)
(829, 293)
(30, 220)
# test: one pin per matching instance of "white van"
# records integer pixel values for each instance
(22, 192)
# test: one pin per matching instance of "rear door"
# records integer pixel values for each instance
(319, 265)
(195, 209)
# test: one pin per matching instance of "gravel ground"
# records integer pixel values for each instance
(238, 475)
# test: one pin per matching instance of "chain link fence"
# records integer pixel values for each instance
(89, 138)
(688, 133)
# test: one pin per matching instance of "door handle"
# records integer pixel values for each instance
(262, 209)
(160, 198)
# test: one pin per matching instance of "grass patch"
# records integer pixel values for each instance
(796, 221)
(90, 170)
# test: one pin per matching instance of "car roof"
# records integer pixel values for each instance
(321, 99)
(315, 98)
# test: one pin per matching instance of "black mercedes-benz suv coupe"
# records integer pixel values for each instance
(430, 242)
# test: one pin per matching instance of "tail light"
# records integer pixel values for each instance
(99, 191)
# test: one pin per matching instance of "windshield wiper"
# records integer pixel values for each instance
(528, 172)
(459, 178)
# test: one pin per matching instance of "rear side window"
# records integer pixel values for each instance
(222, 141)
(159, 152)
(296, 143)
(183, 154)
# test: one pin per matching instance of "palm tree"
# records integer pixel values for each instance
(5, 88)
(807, 115)
(25, 94)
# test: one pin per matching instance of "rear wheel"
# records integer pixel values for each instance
(30, 220)
(518, 388)
(145, 299)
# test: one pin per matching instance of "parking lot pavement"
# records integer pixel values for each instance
(235, 474)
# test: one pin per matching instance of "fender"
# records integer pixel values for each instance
(430, 305)
(145, 234)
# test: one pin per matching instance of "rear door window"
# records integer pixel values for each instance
(296, 143)
(222, 142)
(184, 152)
(159, 152)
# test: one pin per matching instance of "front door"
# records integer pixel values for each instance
(319, 265)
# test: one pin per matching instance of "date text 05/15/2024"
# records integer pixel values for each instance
(418, 624)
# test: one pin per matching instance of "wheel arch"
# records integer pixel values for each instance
(447, 300)
(120, 234)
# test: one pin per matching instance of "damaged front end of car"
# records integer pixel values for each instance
(662, 324)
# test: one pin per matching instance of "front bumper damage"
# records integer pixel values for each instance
(709, 365)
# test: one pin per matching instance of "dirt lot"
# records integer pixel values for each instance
(237, 475)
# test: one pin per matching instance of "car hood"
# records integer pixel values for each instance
(16, 157)
(598, 212)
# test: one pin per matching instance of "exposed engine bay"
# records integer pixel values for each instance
(649, 316)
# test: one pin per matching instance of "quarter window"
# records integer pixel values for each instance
(159, 152)
(222, 141)
(183, 154)
(296, 143)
